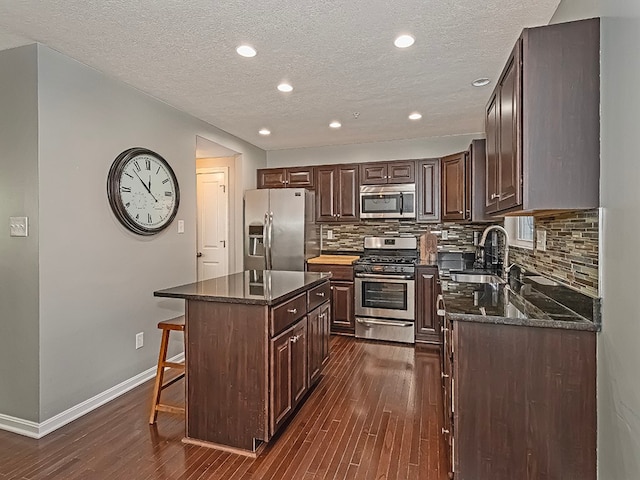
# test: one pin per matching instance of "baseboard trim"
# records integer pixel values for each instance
(39, 430)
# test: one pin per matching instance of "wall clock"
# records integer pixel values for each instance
(143, 191)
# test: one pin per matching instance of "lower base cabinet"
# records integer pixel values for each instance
(522, 402)
(427, 321)
(343, 318)
(319, 331)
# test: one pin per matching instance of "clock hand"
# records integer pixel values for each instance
(145, 186)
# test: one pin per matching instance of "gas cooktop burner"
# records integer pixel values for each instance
(387, 260)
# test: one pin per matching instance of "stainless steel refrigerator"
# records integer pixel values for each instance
(280, 232)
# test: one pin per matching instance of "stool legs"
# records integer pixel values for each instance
(156, 406)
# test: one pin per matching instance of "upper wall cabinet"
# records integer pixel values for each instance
(428, 190)
(379, 173)
(298, 177)
(337, 193)
(543, 123)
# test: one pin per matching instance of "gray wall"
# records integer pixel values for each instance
(372, 152)
(619, 342)
(19, 256)
(95, 278)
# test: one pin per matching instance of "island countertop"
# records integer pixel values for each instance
(255, 287)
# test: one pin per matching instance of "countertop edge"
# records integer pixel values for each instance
(585, 325)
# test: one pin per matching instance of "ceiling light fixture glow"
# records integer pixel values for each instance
(415, 116)
(264, 131)
(246, 51)
(335, 124)
(404, 41)
(285, 87)
(481, 82)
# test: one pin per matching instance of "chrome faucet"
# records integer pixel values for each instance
(505, 262)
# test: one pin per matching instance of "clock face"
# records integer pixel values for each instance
(143, 191)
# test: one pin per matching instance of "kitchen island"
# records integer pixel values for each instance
(256, 342)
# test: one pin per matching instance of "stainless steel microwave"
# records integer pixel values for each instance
(388, 201)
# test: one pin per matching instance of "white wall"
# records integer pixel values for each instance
(619, 342)
(96, 278)
(372, 152)
(19, 367)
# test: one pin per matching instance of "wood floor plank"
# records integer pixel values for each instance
(375, 414)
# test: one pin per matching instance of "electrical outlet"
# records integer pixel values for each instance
(445, 234)
(329, 234)
(541, 240)
(139, 340)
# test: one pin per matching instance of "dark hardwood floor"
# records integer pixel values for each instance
(376, 414)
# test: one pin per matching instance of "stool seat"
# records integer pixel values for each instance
(167, 326)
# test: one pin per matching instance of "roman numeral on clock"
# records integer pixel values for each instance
(125, 189)
(137, 165)
(165, 180)
(149, 217)
(147, 164)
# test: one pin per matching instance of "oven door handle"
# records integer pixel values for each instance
(401, 203)
(362, 321)
(385, 277)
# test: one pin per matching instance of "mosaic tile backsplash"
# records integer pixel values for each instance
(572, 250)
(348, 237)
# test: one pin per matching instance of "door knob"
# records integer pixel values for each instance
(199, 254)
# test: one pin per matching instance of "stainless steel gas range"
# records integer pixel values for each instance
(385, 289)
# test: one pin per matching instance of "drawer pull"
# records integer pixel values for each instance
(445, 431)
(292, 310)
(320, 294)
(444, 375)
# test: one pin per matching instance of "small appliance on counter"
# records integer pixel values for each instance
(280, 232)
(385, 289)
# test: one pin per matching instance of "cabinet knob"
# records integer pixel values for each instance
(292, 310)
(444, 375)
(445, 431)
(338, 215)
(494, 196)
(460, 211)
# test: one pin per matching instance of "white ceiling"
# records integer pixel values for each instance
(338, 55)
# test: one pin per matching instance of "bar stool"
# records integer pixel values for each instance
(174, 324)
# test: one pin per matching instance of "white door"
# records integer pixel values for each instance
(213, 219)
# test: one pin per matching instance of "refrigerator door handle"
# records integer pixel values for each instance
(265, 239)
(269, 246)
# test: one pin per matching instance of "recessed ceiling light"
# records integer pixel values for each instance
(415, 116)
(335, 124)
(285, 87)
(246, 51)
(404, 41)
(481, 82)
(264, 131)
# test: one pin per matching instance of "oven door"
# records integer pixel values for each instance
(385, 296)
(387, 202)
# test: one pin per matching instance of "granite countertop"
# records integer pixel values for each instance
(333, 259)
(524, 302)
(257, 287)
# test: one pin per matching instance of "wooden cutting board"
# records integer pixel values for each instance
(428, 247)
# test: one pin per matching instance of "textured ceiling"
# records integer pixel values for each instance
(338, 55)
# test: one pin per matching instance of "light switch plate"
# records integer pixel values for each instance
(18, 226)
(541, 240)
(180, 226)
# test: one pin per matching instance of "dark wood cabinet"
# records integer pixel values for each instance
(380, 173)
(342, 315)
(337, 193)
(427, 321)
(428, 190)
(542, 122)
(522, 402)
(342, 301)
(318, 341)
(454, 196)
(297, 177)
(281, 378)
(299, 359)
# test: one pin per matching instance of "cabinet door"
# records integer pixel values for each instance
(491, 166)
(300, 177)
(427, 322)
(299, 365)
(281, 399)
(325, 194)
(342, 315)
(428, 186)
(373, 173)
(453, 187)
(348, 194)
(509, 147)
(325, 319)
(272, 178)
(401, 172)
(315, 344)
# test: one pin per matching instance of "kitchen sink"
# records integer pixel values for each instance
(475, 277)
